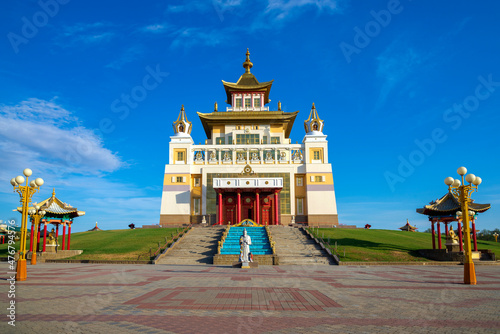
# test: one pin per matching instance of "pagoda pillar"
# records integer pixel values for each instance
(238, 208)
(220, 208)
(257, 207)
(63, 236)
(474, 234)
(38, 239)
(57, 234)
(276, 205)
(445, 228)
(439, 234)
(460, 239)
(69, 236)
(31, 235)
(433, 234)
(44, 236)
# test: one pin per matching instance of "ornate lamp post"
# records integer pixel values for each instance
(26, 192)
(36, 214)
(463, 193)
(496, 236)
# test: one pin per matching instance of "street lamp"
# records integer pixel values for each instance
(36, 214)
(496, 236)
(463, 192)
(26, 192)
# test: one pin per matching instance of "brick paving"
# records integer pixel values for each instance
(88, 298)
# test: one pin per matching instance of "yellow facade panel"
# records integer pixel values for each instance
(172, 179)
(276, 128)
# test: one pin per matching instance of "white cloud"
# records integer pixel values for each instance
(394, 65)
(86, 33)
(281, 9)
(45, 136)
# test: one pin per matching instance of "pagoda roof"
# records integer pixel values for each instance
(448, 205)
(248, 82)
(408, 227)
(247, 117)
(56, 208)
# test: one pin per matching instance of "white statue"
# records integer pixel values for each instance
(245, 242)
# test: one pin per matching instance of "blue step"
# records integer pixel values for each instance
(260, 241)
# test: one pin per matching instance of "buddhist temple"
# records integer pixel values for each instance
(248, 167)
(95, 228)
(408, 227)
(444, 210)
(57, 213)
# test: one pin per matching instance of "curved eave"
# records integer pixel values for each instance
(429, 211)
(234, 87)
(247, 117)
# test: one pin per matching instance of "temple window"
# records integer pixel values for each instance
(264, 140)
(316, 155)
(256, 102)
(196, 205)
(248, 103)
(247, 138)
(275, 140)
(300, 206)
(180, 156)
(197, 182)
(300, 182)
(179, 179)
(238, 103)
(220, 141)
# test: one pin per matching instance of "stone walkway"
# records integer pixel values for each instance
(86, 298)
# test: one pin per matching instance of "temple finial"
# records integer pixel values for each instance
(216, 107)
(247, 64)
(182, 107)
(279, 105)
(53, 192)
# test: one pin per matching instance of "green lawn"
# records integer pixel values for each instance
(114, 244)
(385, 245)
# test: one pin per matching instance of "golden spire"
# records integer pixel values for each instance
(182, 107)
(279, 105)
(53, 192)
(247, 64)
(216, 106)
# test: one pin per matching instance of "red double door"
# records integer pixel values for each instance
(248, 208)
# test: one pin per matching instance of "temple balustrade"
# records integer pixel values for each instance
(248, 154)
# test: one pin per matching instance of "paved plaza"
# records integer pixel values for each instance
(89, 298)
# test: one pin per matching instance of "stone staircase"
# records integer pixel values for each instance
(197, 247)
(294, 247)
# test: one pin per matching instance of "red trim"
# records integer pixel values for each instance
(439, 235)
(238, 208)
(31, 236)
(433, 236)
(63, 236)
(44, 237)
(257, 208)
(38, 239)
(474, 234)
(69, 236)
(276, 211)
(460, 238)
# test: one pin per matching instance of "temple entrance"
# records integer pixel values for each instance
(256, 199)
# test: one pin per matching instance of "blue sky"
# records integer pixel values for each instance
(409, 90)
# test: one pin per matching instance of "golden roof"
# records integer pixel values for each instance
(449, 205)
(247, 117)
(248, 82)
(55, 207)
